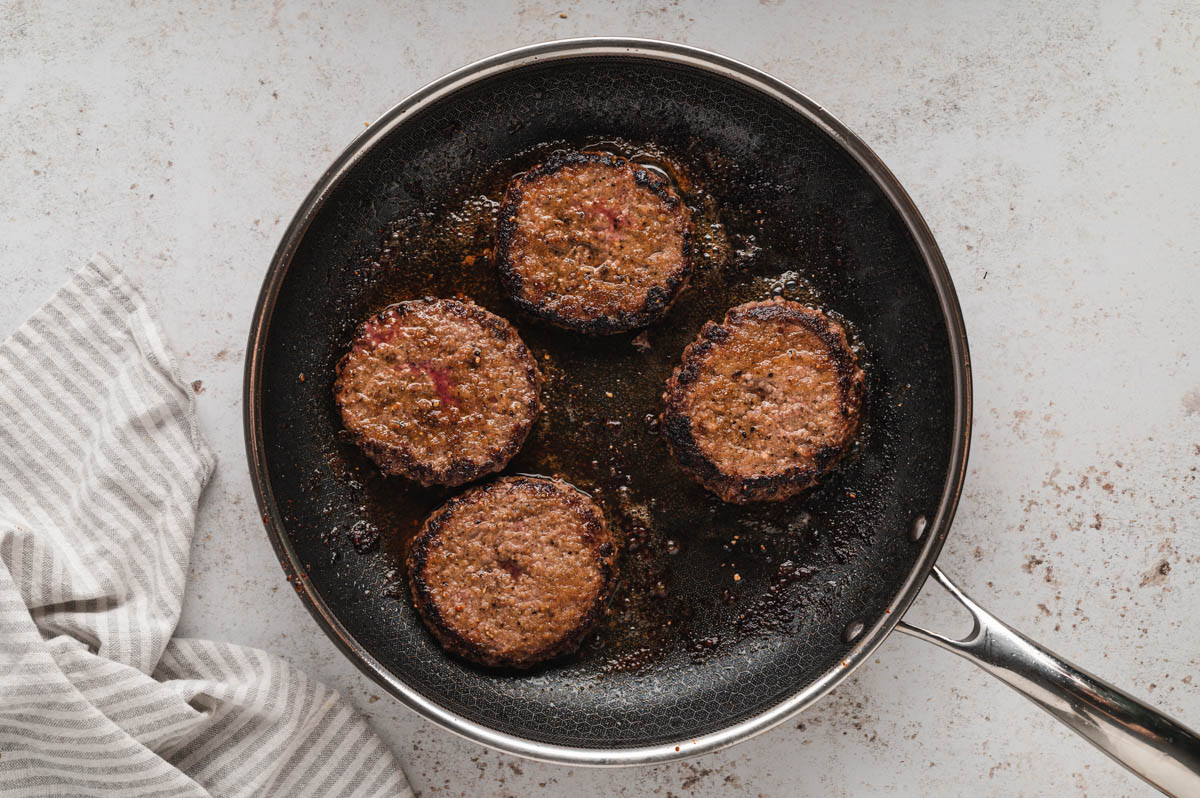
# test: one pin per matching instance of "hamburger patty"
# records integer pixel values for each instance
(513, 572)
(765, 403)
(438, 390)
(591, 242)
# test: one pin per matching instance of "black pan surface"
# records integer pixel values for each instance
(723, 611)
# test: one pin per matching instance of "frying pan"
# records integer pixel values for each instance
(748, 639)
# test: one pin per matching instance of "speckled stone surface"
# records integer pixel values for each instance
(1052, 149)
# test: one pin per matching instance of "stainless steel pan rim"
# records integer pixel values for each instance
(935, 530)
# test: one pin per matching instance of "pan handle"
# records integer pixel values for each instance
(1163, 752)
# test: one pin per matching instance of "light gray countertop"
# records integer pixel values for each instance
(1051, 147)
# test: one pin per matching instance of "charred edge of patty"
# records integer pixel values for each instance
(399, 461)
(677, 426)
(595, 533)
(658, 298)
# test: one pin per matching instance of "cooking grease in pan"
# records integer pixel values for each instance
(697, 574)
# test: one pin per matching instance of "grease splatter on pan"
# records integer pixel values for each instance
(697, 574)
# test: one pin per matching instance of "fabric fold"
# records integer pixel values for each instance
(101, 470)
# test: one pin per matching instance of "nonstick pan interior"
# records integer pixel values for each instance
(724, 611)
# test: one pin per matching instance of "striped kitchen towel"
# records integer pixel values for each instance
(101, 468)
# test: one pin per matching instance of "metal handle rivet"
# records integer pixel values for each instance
(916, 530)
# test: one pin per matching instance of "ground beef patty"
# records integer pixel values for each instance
(439, 391)
(513, 572)
(764, 403)
(591, 242)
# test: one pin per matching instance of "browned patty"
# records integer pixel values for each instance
(591, 242)
(439, 391)
(513, 572)
(765, 403)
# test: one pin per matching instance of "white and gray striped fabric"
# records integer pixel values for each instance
(101, 469)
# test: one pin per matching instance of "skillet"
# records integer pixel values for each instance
(730, 619)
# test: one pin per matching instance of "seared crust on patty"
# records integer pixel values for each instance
(439, 391)
(513, 572)
(591, 242)
(765, 403)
